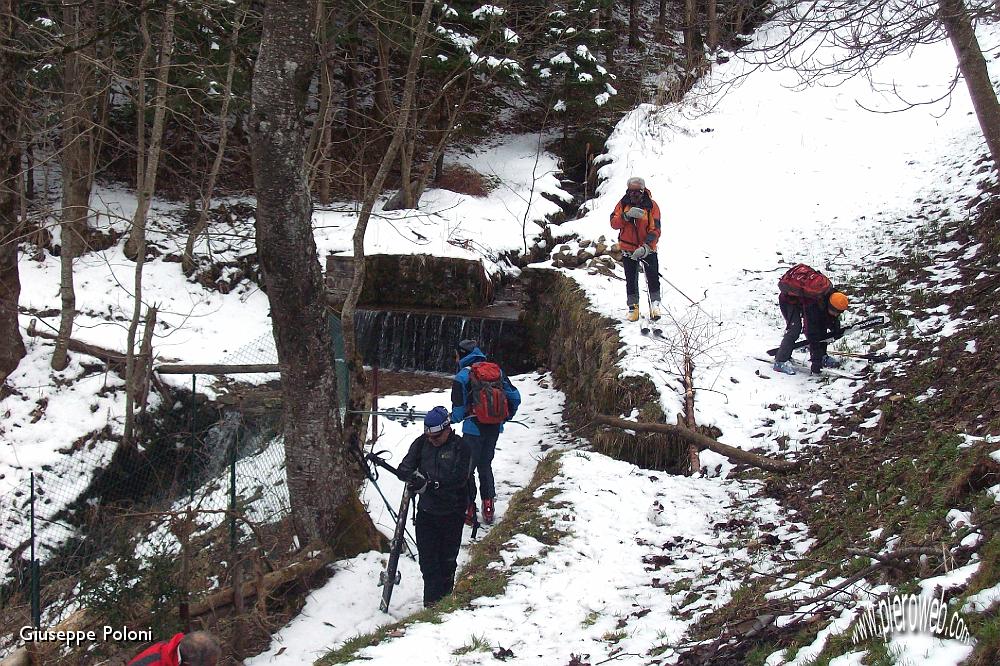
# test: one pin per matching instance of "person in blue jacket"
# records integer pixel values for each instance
(481, 437)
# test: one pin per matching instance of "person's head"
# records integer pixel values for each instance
(199, 649)
(464, 348)
(635, 189)
(437, 425)
(838, 303)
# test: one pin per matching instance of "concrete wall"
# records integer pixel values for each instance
(412, 281)
(583, 348)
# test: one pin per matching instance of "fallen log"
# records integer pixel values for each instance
(109, 356)
(268, 582)
(701, 441)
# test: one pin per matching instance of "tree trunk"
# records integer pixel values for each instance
(972, 64)
(691, 34)
(447, 122)
(694, 461)
(712, 19)
(317, 455)
(187, 260)
(608, 23)
(633, 24)
(320, 138)
(661, 21)
(79, 109)
(137, 238)
(695, 437)
(150, 163)
(11, 345)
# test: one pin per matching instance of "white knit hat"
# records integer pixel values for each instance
(636, 180)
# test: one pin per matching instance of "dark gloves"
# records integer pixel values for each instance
(417, 483)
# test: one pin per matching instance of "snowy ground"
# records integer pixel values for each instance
(768, 178)
(748, 183)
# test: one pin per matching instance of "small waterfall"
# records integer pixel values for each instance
(425, 341)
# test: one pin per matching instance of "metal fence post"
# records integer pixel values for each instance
(194, 388)
(234, 562)
(234, 446)
(36, 606)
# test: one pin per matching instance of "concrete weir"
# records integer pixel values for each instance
(415, 307)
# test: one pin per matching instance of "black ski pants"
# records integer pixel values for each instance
(652, 269)
(483, 447)
(793, 313)
(438, 541)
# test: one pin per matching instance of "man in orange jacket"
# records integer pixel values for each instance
(196, 649)
(637, 219)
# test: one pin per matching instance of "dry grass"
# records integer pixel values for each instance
(465, 180)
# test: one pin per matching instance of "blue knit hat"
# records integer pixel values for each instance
(436, 420)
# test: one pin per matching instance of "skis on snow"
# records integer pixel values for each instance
(648, 326)
(391, 577)
(830, 372)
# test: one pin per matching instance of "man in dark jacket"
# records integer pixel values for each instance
(481, 437)
(195, 649)
(437, 468)
(637, 219)
(821, 319)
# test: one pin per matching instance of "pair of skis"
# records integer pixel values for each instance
(389, 578)
(832, 372)
(650, 329)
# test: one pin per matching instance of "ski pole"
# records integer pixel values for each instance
(877, 358)
(697, 304)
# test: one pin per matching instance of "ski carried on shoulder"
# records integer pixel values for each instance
(391, 576)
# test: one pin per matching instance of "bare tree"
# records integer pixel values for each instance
(862, 33)
(633, 24)
(693, 337)
(147, 164)
(11, 344)
(187, 259)
(79, 107)
(374, 189)
(958, 24)
(693, 46)
(148, 159)
(712, 21)
(316, 451)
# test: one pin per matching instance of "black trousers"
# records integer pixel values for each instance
(438, 541)
(793, 314)
(652, 264)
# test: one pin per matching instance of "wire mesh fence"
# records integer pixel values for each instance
(143, 533)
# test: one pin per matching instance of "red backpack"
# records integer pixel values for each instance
(487, 398)
(804, 283)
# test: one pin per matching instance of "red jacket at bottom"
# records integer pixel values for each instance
(163, 653)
